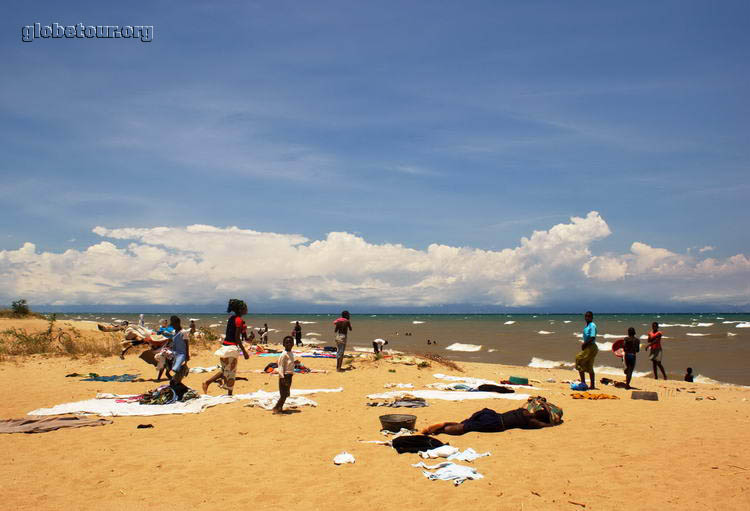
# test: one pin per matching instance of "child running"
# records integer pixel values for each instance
(231, 348)
(286, 371)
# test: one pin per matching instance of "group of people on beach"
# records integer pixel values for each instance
(631, 345)
(170, 351)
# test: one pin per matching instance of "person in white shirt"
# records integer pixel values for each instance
(377, 345)
(286, 371)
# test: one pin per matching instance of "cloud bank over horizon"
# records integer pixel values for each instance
(201, 264)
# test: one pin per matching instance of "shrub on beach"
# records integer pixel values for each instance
(19, 309)
(54, 340)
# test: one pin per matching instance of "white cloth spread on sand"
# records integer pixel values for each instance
(203, 369)
(342, 458)
(399, 385)
(448, 471)
(269, 401)
(439, 452)
(448, 395)
(452, 453)
(106, 405)
(476, 382)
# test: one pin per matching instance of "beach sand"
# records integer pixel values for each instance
(678, 452)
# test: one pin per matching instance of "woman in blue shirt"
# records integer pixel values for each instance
(181, 350)
(589, 350)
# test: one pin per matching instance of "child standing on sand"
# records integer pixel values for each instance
(631, 346)
(231, 348)
(286, 371)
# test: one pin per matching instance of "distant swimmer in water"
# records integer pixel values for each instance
(428, 341)
(689, 375)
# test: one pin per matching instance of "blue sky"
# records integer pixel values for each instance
(413, 123)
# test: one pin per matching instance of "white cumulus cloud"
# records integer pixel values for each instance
(206, 264)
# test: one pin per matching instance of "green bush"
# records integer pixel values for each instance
(20, 308)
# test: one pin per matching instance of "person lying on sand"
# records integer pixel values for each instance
(489, 421)
(112, 327)
(135, 336)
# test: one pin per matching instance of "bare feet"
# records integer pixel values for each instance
(205, 387)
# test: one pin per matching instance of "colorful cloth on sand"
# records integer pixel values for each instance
(114, 377)
(165, 395)
(536, 403)
(590, 395)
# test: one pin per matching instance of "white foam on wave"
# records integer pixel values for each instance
(731, 334)
(509, 323)
(544, 332)
(303, 322)
(313, 334)
(214, 325)
(615, 371)
(705, 379)
(492, 350)
(717, 317)
(566, 321)
(307, 340)
(457, 346)
(417, 322)
(705, 324)
(743, 325)
(549, 364)
(730, 322)
(691, 334)
(680, 325)
(604, 346)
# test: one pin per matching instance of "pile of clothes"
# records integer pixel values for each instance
(167, 394)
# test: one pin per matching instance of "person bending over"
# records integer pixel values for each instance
(377, 345)
(489, 421)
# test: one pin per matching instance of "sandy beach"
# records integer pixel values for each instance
(678, 452)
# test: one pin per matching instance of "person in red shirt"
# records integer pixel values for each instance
(654, 345)
(231, 348)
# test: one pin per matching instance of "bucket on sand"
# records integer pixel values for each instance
(395, 421)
